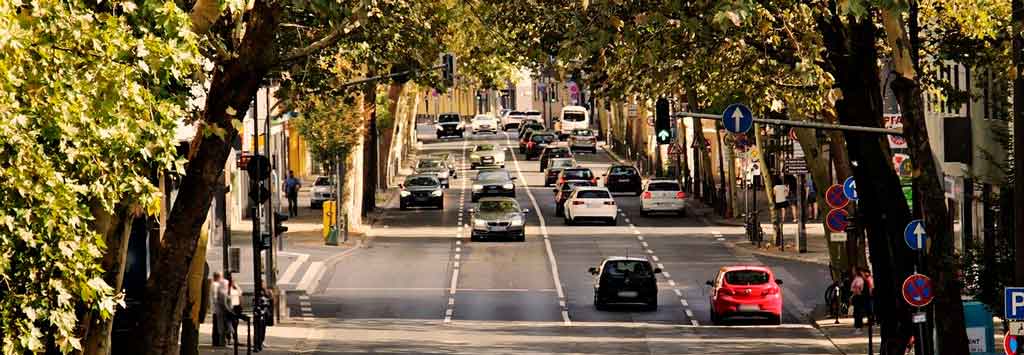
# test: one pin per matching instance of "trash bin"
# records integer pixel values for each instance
(980, 330)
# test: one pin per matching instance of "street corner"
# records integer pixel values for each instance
(846, 338)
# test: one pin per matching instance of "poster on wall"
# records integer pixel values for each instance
(895, 121)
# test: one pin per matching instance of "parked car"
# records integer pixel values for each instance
(576, 174)
(498, 217)
(421, 190)
(449, 124)
(572, 117)
(553, 151)
(590, 204)
(555, 166)
(748, 291)
(493, 182)
(487, 155)
(539, 141)
(435, 167)
(484, 123)
(583, 139)
(662, 195)
(625, 280)
(322, 190)
(449, 161)
(623, 178)
(563, 192)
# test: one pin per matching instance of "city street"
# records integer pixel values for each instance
(419, 285)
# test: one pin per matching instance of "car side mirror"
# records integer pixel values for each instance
(709, 283)
(657, 270)
(779, 282)
(592, 271)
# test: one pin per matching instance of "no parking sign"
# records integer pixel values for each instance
(835, 197)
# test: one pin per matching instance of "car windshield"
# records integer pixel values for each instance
(623, 171)
(484, 147)
(574, 116)
(493, 175)
(582, 132)
(558, 151)
(483, 118)
(498, 206)
(623, 267)
(746, 277)
(448, 119)
(663, 186)
(421, 181)
(534, 127)
(593, 194)
(569, 186)
(577, 174)
(430, 164)
(545, 138)
(561, 163)
(323, 181)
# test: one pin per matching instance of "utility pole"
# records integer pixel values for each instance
(1018, 132)
(270, 271)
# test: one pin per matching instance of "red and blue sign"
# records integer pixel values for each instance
(835, 197)
(837, 220)
(1011, 343)
(918, 290)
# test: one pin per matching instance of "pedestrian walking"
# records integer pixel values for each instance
(791, 195)
(291, 188)
(217, 288)
(812, 199)
(233, 309)
(860, 292)
(869, 295)
(781, 192)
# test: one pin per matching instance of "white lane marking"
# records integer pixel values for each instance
(304, 297)
(451, 301)
(544, 232)
(685, 304)
(644, 244)
(672, 283)
(458, 256)
(695, 322)
(655, 258)
(458, 249)
(640, 237)
(661, 266)
(689, 313)
(458, 242)
(650, 251)
(314, 271)
(289, 273)
(456, 264)
(678, 292)
(627, 221)
(666, 274)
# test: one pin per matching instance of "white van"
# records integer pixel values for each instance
(572, 117)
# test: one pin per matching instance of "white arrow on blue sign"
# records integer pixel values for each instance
(850, 188)
(1014, 303)
(737, 119)
(915, 235)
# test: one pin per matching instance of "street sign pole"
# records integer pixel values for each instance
(801, 234)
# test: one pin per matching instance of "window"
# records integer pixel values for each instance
(574, 116)
(577, 174)
(663, 186)
(421, 181)
(499, 206)
(323, 181)
(561, 163)
(429, 164)
(484, 147)
(542, 138)
(623, 170)
(493, 175)
(623, 267)
(746, 277)
(593, 194)
(448, 118)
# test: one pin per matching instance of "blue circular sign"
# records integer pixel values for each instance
(850, 188)
(737, 119)
(915, 235)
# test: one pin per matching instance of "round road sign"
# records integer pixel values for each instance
(835, 197)
(917, 290)
(850, 188)
(1011, 344)
(837, 220)
(737, 118)
(915, 235)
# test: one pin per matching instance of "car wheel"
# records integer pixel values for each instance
(775, 319)
(402, 206)
(651, 306)
(644, 213)
(474, 198)
(599, 305)
(715, 320)
(473, 237)
(521, 237)
(681, 212)
(566, 219)
(440, 205)
(613, 221)
(637, 192)
(559, 211)
(472, 166)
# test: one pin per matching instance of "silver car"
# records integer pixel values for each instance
(435, 167)
(489, 155)
(583, 139)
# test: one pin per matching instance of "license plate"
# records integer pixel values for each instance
(421, 199)
(628, 294)
(749, 308)
(498, 229)
(492, 188)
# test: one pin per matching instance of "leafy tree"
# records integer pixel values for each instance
(90, 97)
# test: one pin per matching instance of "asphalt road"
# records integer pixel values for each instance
(420, 286)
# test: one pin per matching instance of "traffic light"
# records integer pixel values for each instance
(662, 123)
(278, 219)
(448, 72)
(258, 167)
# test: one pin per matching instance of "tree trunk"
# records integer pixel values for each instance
(1018, 135)
(388, 134)
(851, 57)
(728, 150)
(370, 146)
(192, 315)
(233, 86)
(817, 166)
(116, 230)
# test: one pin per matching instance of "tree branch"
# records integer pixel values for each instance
(322, 43)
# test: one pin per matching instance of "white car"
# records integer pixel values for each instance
(487, 155)
(323, 190)
(662, 195)
(590, 203)
(572, 117)
(484, 123)
(514, 119)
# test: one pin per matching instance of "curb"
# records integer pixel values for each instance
(614, 156)
(777, 256)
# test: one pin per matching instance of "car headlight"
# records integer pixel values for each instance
(458, 126)
(439, 127)
(517, 221)
(478, 187)
(405, 193)
(479, 224)
(436, 193)
(508, 186)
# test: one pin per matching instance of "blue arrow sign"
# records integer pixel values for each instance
(915, 235)
(737, 119)
(850, 188)
(1014, 303)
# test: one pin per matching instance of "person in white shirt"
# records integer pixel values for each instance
(781, 191)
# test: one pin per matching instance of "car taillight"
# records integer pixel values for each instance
(593, 181)
(561, 180)
(529, 145)
(680, 195)
(577, 203)
(647, 195)
(770, 291)
(610, 203)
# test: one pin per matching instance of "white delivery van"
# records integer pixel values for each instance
(572, 117)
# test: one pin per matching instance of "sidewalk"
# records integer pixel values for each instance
(853, 341)
(288, 337)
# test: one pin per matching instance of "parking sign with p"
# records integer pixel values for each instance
(1014, 303)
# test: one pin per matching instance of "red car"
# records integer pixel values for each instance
(746, 291)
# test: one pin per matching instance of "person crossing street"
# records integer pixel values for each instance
(291, 188)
